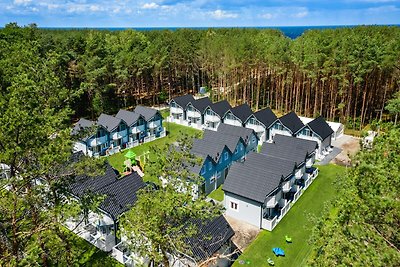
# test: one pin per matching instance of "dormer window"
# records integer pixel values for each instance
(173, 104)
(190, 108)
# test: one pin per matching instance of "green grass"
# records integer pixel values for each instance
(296, 224)
(173, 132)
(218, 194)
(90, 255)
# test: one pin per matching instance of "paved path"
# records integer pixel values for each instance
(336, 151)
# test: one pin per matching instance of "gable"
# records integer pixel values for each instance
(254, 118)
(230, 116)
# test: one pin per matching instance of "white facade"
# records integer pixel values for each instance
(211, 119)
(259, 129)
(231, 119)
(243, 209)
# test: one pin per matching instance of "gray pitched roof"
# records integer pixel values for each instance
(249, 182)
(81, 125)
(243, 132)
(284, 152)
(292, 122)
(207, 148)
(221, 107)
(284, 167)
(183, 100)
(201, 104)
(266, 116)
(146, 112)
(109, 122)
(128, 117)
(230, 141)
(242, 112)
(320, 127)
(308, 146)
(121, 194)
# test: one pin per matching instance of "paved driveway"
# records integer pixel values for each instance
(335, 151)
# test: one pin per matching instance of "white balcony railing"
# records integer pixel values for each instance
(272, 202)
(269, 224)
(211, 118)
(284, 210)
(98, 141)
(176, 110)
(193, 114)
(132, 144)
(118, 135)
(113, 150)
(154, 124)
(297, 195)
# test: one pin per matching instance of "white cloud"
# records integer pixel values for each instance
(383, 9)
(22, 2)
(95, 8)
(269, 16)
(150, 6)
(221, 14)
(301, 13)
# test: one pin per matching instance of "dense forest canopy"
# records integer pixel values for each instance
(345, 74)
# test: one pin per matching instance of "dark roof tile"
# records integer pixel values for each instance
(128, 117)
(242, 112)
(109, 122)
(320, 127)
(292, 122)
(266, 117)
(183, 100)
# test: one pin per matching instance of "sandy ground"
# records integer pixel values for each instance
(349, 145)
(244, 233)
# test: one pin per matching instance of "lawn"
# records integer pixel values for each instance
(218, 194)
(296, 224)
(173, 132)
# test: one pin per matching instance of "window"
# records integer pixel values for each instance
(230, 116)
(212, 180)
(173, 104)
(209, 166)
(190, 108)
(254, 121)
(122, 127)
(278, 126)
(234, 206)
(203, 170)
(254, 140)
(140, 122)
(210, 112)
(241, 147)
(306, 132)
(218, 175)
(236, 150)
(226, 155)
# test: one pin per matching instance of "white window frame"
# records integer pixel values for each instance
(226, 156)
(212, 179)
(203, 170)
(209, 166)
(233, 205)
(218, 175)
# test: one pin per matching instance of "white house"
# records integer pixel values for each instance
(195, 112)
(261, 122)
(178, 109)
(288, 124)
(238, 115)
(319, 131)
(213, 114)
(260, 190)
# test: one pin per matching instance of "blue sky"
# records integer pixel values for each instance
(197, 13)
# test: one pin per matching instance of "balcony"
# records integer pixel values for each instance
(118, 135)
(138, 129)
(259, 129)
(176, 110)
(269, 224)
(309, 162)
(122, 254)
(287, 186)
(211, 118)
(272, 202)
(299, 174)
(193, 114)
(154, 124)
(98, 141)
(233, 122)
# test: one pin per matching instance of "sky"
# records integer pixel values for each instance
(197, 13)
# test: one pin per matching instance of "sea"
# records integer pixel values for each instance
(290, 31)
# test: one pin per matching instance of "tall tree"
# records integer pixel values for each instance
(161, 220)
(362, 227)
